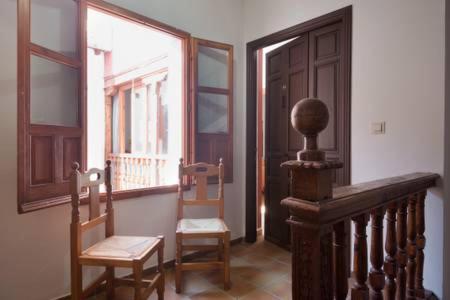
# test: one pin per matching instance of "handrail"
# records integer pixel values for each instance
(320, 216)
(352, 200)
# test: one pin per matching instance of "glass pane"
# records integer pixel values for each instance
(54, 25)
(138, 104)
(53, 93)
(212, 113)
(212, 67)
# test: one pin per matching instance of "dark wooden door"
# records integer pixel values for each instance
(313, 65)
(286, 83)
(328, 69)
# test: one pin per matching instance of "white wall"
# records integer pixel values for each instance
(397, 77)
(34, 247)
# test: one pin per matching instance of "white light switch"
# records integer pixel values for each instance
(378, 127)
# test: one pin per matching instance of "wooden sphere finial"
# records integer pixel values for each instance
(310, 116)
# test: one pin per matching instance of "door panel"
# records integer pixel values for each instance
(327, 82)
(313, 65)
(326, 91)
(287, 83)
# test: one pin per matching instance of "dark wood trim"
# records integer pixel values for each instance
(195, 89)
(260, 142)
(136, 193)
(211, 90)
(117, 196)
(167, 265)
(342, 15)
(185, 38)
(54, 56)
(23, 106)
(135, 17)
(32, 197)
(25, 48)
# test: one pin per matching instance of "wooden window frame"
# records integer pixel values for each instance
(33, 197)
(185, 38)
(26, 48)
(196, 89)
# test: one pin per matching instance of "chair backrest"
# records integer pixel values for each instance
(200, 172)
(91, 180)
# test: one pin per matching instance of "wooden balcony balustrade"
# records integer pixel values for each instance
(318, 218)
(134, 171)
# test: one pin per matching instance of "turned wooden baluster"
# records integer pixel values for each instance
(411, 249)
(401, 249)
(420, 242)
(376, 275)
(360, 289)
(390, 262)
(340, 261)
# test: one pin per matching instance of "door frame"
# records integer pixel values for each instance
(343, 15)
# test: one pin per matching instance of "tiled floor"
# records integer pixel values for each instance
(259, 271)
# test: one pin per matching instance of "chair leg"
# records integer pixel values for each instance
(76, 281)
(137, 273)
(226, 261)
(220, 249)
(161, 285)
(178, 263)
(110, 292)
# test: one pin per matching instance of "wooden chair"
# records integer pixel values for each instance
(114, 251)
(214, 228)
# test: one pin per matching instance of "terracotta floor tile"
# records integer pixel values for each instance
(258, 295)
(284, 257)
(193, 284)
(215, 277)
(280, 288)
(169, 294)
(259, 271)
(277, 268)
(257, 260)
(239, 250)
(240, 288)
(259, 278)
(211, 294)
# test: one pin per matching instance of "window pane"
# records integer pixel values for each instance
(212, 67)
(53, 93)
(54, 25)
(212, 113)
(138, 105)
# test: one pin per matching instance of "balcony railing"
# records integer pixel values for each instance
(135, 171)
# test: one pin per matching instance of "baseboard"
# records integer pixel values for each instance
(168, 264)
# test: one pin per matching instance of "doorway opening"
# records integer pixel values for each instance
(261, 133)
(312, 59)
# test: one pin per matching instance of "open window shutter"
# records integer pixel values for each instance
(212, 97)
(51, 99)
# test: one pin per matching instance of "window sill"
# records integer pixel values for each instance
(117, 195)
(137, 193)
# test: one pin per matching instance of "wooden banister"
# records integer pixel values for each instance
(318, 214)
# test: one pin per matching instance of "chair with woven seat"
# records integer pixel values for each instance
(208, 228)
(113, 251)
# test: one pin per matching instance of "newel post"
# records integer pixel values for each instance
(311, 184)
